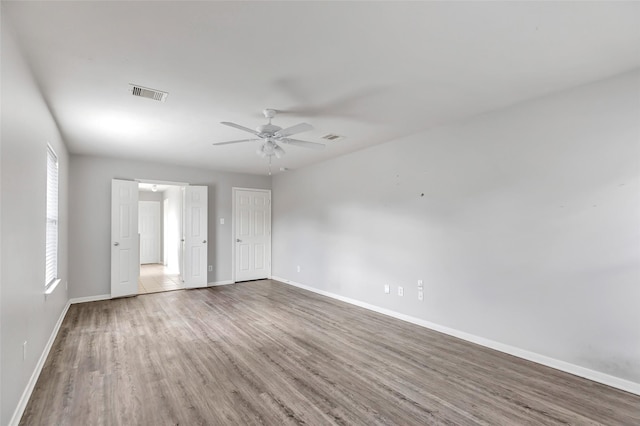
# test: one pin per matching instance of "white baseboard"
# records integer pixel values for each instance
(26, 395)
(567, 367)
(89, 298)
(217, 283)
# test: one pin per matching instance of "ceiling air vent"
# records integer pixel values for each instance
(145, 92)
(332, 137)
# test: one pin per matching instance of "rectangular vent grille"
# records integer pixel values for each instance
(332, 137)
(145, 92)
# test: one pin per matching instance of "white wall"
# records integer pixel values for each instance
(150, 196)
(528, 231)
(25, 314)
(90, 215)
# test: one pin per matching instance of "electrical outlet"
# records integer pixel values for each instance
(222, 221)
(387, 289)
(419, 283)
(298, 268)
(400, 291)
(210, 268)
(420, 295)
(24, 350)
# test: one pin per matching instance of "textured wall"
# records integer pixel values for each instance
(25, 314)
(523, 224)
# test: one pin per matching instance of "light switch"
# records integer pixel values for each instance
(222, 221)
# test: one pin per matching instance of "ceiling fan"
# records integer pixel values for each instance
(270, 135)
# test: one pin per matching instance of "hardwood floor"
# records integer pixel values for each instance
(266, 353)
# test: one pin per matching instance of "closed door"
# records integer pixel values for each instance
(125, 265)
(149, 229)
(252, 234)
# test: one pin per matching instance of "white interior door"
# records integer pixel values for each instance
(125, 265)
(165, 225)
(252, 234)
(149, 230)
(195, 236)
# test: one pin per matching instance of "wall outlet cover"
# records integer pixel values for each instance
(387, 289)
(400, 291)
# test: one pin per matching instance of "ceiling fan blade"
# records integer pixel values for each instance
(238, 141)
(237, 126)
(298, 128)
(304, 144)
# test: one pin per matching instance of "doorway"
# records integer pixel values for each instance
(160, 209)
(185, 232)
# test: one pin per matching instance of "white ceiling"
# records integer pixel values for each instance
(370, 71)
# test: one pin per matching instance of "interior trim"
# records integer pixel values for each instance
(219, 283)
(89, 299)
(567, 367)
(31, 384)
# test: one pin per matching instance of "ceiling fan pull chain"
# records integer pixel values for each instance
(270, 165)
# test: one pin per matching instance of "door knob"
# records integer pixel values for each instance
(116, 244)
(238, 240)
(204, 242)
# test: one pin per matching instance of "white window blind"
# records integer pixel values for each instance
(52, 218)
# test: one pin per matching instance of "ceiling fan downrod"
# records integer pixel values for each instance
(269, 113)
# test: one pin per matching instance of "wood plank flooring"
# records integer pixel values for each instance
(266, 353)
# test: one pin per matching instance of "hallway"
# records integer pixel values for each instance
(155, 278)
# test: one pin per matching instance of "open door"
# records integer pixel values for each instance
(195, 236)
(124, 238)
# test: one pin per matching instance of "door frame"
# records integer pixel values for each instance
(234, 190)
(171, 183)
(137, 251)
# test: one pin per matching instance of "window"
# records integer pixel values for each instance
(52, 219)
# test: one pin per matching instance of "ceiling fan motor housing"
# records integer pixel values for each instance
(269, 113)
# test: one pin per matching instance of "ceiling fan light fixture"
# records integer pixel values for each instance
(278, 151)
